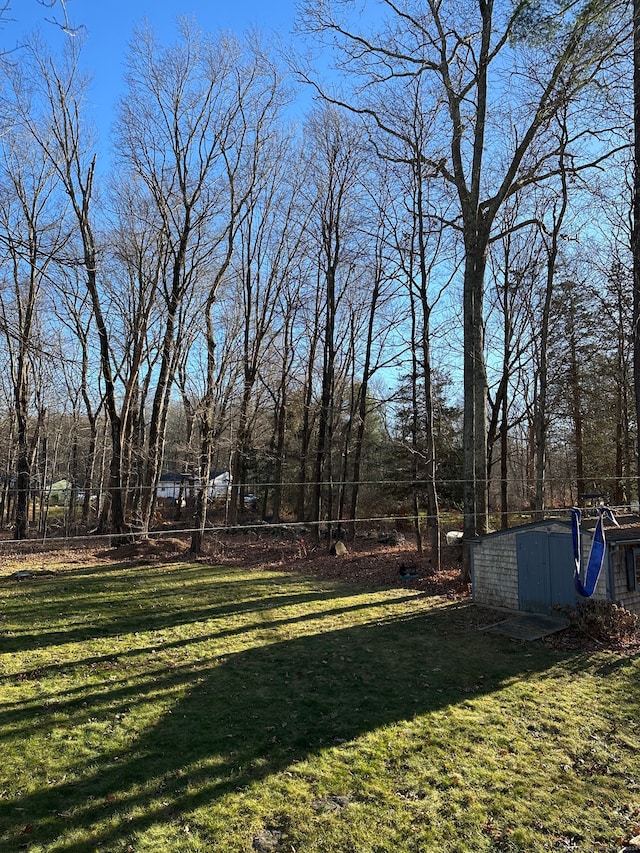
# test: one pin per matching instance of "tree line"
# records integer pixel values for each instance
(417, 295)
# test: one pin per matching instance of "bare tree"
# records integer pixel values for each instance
(281, 390)
(635, 232)
(266, 254)
(247, 152)
(51, 107)
(32, 233)
(422, 256)
(514, 266)
(72, 308)
(497, 74)
(179, 132)
(334, 179)
(373, 318)
(552, 237)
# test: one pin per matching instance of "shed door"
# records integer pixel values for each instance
(545, 571)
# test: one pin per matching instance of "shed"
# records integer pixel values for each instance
(531, 567)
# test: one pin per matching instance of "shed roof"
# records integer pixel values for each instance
(173, 477)
(176, 476)
(627, 531)
(530, 525)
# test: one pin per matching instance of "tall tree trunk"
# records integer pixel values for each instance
(303, 513)
(433, 512)
(415, 433)
(576, 406)
(23, 476)
(361, 414)
(166, 373)
(240, 451)
(474, 438)
(541, 416)
(322, 490)
(281, 412)
(305, 436)
(504, 465)
(5, 496)
(635, 238)
(206, 435)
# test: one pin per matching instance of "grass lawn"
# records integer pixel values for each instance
(192, 708)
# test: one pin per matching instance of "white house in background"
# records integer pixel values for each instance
(219, 485)
(174, 485)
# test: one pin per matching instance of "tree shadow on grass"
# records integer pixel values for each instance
(112, 612)
(256, 712)
(123, 691)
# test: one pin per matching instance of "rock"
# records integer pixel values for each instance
(267, 840)
(27, 574)
(332, 803)
(394, 537)
(632, 845)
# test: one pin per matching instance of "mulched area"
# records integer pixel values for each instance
(366, 562)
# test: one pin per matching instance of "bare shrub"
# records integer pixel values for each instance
(604, 621)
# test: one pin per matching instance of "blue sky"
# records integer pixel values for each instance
(110, 23)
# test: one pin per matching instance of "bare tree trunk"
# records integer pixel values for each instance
(23, 478)
(5, 496)
(504, 465)
(307, 418)
(281, 412)
(76, 169)
(623, 440)
(541, 416)
(575, 398)
(635, 237)
(363, 391)
(474, 444)
(322, 489)
(415, 432)
(166, 374)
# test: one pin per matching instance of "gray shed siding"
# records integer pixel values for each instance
(621, 594)
(495, 570)
(495, 577)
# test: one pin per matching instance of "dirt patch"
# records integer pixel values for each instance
(366, 562)
(34, 561)
(162, 548)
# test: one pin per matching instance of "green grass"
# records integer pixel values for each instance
(183, 707)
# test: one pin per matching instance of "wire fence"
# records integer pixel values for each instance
(371, 526)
